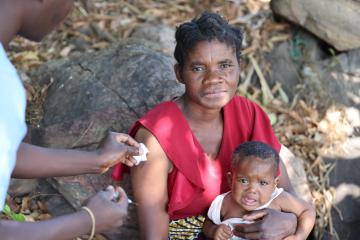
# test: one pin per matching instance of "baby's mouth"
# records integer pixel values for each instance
(249, 201)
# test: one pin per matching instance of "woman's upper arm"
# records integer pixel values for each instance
(149, 183)
(284, 180)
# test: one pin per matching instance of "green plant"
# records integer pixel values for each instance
(12, 215)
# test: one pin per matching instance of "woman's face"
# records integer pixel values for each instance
(253, 181)
(210, 74)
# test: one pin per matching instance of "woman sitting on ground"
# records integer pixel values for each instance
(191, 139)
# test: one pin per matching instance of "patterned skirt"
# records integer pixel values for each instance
(189, 228)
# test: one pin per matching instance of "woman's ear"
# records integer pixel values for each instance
(229, 178)
(178, 70)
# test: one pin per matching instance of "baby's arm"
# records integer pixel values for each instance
(304, 211)
(216, 232)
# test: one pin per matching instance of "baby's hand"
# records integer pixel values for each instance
(223, 232)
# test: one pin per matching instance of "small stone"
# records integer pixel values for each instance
(21, 187)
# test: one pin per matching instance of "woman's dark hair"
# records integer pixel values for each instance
(256, 149)
(209, 26)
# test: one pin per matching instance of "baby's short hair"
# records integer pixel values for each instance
(257, 149)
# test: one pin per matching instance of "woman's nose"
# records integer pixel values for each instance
(214, 75)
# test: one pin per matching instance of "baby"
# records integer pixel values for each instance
(253, 179)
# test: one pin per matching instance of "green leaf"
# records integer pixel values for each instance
(297, 47)
(332, 52)
(272, 117)
(18, 217)
(13, 216)
(264, 101)
(7, 210)
(283, 96)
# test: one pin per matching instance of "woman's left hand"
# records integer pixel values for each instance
(269, 224)
(116, 148)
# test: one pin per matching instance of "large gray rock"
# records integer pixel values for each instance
(284, 69)
(287, 58)
(321, 80)
(95, 92)
(161, 34)
(333, 81)
(105, 90)
(335, 21)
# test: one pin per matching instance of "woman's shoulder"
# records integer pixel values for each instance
(241, 101)
(163, 120)
(155, 117)
(163, 108)
(242, 107)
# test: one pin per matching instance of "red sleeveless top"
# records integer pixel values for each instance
(195, 180)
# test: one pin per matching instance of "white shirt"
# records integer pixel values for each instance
(214, 212)
(12, 120)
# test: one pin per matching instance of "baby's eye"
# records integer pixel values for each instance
(243, 180)
(263, 183)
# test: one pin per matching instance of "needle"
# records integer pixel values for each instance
(116, 198)
(132, 202)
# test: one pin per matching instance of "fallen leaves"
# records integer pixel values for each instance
(26, 208)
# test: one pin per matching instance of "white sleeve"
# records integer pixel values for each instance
(214, 213)
(12, 121)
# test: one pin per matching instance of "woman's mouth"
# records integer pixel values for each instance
(215, 93)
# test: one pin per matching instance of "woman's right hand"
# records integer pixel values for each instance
(109, 213)
(269, 224)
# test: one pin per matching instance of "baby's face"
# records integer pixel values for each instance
(253, 181)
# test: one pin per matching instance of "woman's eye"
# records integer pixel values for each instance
(225, 65)
(198, 69)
